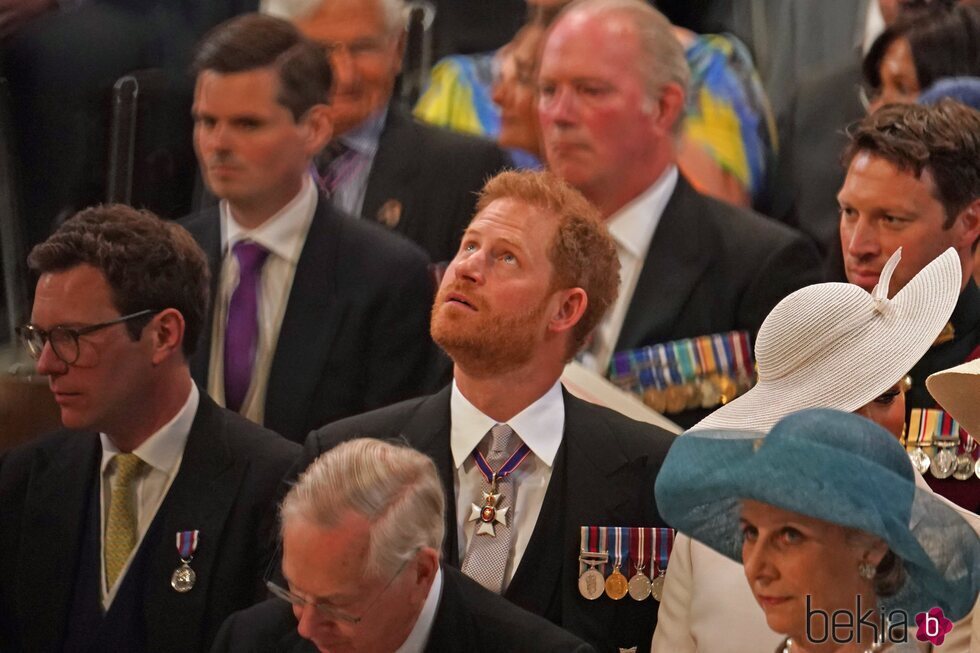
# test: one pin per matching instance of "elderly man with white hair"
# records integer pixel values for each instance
(362, 531)
(416, 179)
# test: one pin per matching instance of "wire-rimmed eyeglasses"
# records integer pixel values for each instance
(327, 611)
(64, 340)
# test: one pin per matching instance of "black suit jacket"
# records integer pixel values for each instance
(712, 267)
(469, 619)
(603, 476)
(433, 175)
(810, 175)
(226, 488)
(355, 334)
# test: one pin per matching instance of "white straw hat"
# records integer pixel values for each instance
(958, 391)
(835, 345)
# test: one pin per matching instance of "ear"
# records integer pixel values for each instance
(875, 550)
(572, 303)
(426, 565)
(319, 128)
(166, 331)
(669, 107)
(400, 46)
(968, 222)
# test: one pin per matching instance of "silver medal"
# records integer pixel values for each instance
(183, 578)
(964, 467)
(657, 587)
(920, 460)
(640, 587)
(944, 463)
(591, 584)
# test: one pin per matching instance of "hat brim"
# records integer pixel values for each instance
(958, 391)
(852, 370)
(708, 473)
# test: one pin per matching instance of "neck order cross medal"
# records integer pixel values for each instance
(491, 512)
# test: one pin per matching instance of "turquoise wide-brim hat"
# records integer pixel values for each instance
(834, 466)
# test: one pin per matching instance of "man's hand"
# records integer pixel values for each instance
(14, 14)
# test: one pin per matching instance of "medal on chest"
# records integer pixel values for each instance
(183, 578)
(491, 512)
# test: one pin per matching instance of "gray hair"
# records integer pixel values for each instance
(396, 488)
(396, 15)
(661, 57)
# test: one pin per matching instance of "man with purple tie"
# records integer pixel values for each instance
(314, 316)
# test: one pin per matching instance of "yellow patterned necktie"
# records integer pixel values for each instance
(121, 526)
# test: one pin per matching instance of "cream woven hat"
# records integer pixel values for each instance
(958, 391)
(835, 345)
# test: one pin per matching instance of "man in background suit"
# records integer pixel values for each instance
(912, 182)
(533, 276)
(418, 180)
(93, 516)
(315, 316)
(612, 89)
(361, 532)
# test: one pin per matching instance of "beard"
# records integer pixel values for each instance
(481, 343)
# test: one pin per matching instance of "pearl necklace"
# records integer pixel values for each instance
(877, 646)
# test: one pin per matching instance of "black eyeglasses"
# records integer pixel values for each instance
(64, 340)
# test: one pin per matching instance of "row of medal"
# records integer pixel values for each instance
(635, 558)
(937, 444)
(703, 372)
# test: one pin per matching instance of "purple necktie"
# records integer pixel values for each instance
(336, 165)
(242, 333)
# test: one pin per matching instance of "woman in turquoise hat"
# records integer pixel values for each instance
(825, 516)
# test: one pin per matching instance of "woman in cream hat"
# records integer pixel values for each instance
(831, 345)
(826, 517)
(958, 391)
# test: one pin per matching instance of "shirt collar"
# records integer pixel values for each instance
(540, 426)
(419, 637)
(284, 233)
(162, 450)
(364, 138)
(633, 225)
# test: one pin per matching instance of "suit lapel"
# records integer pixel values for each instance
(310, 324)
(54, 508)
(210, 242)
(677, 258)
(392, 172)
(428, 431)
(200, 498)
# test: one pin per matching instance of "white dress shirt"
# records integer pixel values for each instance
(162, 453)
(284, 235)
(419, 637)
(632, 229)
(540, 426)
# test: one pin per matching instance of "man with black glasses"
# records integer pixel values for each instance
(156, 508)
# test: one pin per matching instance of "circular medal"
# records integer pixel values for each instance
(726, 389)
(183, 578)
(943, 464)
(639, 587)
(920, 460)
(977, 469)
(710, 397)
(591, 584)
(655, 399)
(616, 585)
(676, 399)
(692, 395)
(964, 467)
(657, 587)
